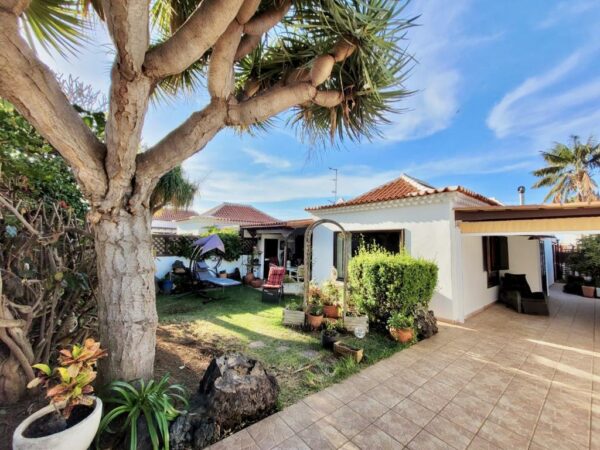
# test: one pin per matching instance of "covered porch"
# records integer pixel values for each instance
(496, 240)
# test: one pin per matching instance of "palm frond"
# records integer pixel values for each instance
(56, 24)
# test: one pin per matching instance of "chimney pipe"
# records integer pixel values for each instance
(521, 191)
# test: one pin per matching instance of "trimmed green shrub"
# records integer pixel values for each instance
(384, 283)
(231, 239)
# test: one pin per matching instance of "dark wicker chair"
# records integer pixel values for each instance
(516, 294)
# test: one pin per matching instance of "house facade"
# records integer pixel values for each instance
(410, 214)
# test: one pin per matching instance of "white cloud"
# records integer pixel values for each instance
(551, 105)
(258, 187)
(566, 10)
(267, 159)
(437, 44)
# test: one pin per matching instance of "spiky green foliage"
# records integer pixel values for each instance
(157, 402)
(569, 171)
(173, 189)
(56, 24)
(371, 79)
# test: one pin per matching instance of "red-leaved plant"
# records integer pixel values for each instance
(69, 384)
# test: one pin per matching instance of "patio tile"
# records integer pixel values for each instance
(347, 421)
(345, 391)
(299, 416)
(293, 443)
(502, 437)
(427, 441)
(414, 412)
(322, 436)
(478, 443)
(449, 432)
(349, 446)
(523, 425)
(551, 436)
(400, 428)
(323, 402)
(239, 441)
(368, 407)
(386, 395)
(429, 399)
(372, 438)
(400, 385)
(269, 432)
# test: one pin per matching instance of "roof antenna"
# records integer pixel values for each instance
(521, 191)
(335, 185)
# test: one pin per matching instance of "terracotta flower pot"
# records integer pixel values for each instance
(314, 321)
(588, 291)
(256, 283)
(402, 335)
(331, 311)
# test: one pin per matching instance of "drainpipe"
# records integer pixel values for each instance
(521, 191)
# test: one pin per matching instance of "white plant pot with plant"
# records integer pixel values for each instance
(72, 418)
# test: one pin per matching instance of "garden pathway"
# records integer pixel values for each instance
(501, 380)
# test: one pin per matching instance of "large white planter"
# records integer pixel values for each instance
(293, 318)
(293, 288)
(78, 437)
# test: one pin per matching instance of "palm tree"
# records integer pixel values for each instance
(338, 66)
(173, 189)
(569, 171)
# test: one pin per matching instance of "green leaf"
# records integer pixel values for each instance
(44, 368)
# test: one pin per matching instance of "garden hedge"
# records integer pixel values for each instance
(383, 283)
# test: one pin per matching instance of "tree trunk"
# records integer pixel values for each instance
(126, 299)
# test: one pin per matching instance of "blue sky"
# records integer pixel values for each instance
(496, 82)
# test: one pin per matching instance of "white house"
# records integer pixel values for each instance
(164, 221)
(422, 219)
(225, 215)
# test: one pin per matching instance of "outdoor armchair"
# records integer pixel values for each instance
(516, 293)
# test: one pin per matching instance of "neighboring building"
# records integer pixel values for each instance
(411, 214)
(164, 220)
(225, 215)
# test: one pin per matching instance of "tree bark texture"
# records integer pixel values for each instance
(127, 307)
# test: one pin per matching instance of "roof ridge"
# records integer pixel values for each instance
(419, 184)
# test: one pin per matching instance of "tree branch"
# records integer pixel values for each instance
(190, 137)
(32, 88)
(199, 33)
(130, 91)
(259, 25)
(220, 70)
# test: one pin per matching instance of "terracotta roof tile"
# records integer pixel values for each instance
(237, 213)
(403, 187)
(169, 214)
(296, 223)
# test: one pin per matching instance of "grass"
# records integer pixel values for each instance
(241, 322)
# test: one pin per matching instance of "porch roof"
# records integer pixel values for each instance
(550, 218)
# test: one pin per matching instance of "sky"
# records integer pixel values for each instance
(496, 82)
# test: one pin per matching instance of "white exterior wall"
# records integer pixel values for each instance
(199, 225)
(163, 264)
(524, 258)
(476, 294)
(428, 234)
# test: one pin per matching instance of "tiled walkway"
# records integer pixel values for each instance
(501, 380)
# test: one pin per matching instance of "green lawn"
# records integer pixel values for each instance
(241, 322)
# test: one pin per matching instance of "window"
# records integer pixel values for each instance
(495, 258)
(392, 241)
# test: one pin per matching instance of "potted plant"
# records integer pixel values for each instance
(167, 284)
(589, 288)
(314, 315)
(331, 299)
(71, 420)
(355, 319)
(293, 314)
(401, 327)
(330, 334)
